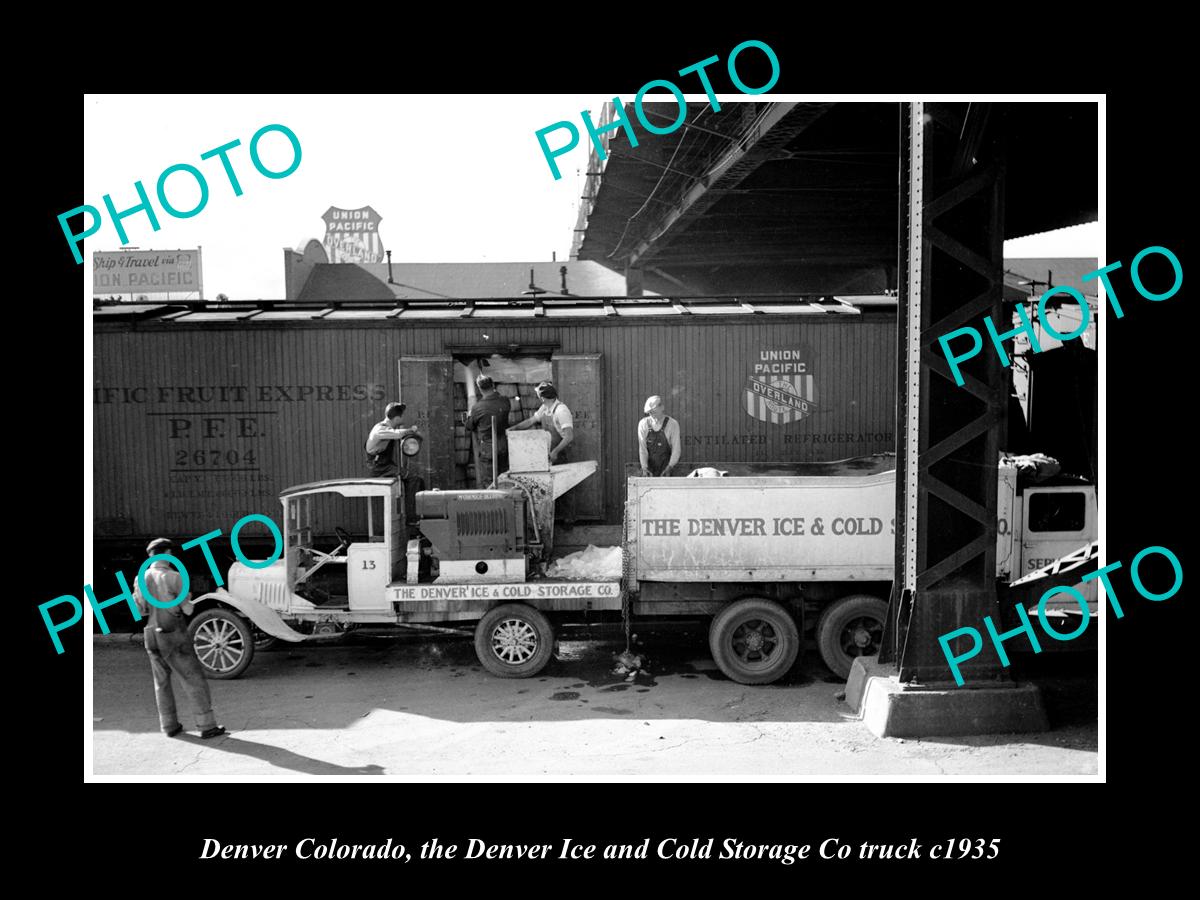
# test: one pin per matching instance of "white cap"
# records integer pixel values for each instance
(652, 402)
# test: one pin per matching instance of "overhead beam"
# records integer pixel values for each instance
(820, 256)
(780, 123)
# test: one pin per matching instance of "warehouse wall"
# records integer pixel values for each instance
(196, 426)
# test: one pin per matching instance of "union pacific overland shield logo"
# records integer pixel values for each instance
(780, 386)
(352, 235)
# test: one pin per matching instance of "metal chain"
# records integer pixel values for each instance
(625, 578)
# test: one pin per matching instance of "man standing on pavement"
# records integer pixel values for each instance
(659, 445)
(170, 645)
(554, 416)
(383, 442)
(490, 407)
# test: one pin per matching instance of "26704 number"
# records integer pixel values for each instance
(215, 458)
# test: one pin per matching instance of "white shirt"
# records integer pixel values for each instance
(381, 433)
(164, 584)
(556, 414)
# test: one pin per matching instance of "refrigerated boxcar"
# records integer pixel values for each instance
(203, 414)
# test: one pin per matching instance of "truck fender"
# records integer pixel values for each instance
(263, 617)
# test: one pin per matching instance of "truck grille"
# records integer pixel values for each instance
(473, 523)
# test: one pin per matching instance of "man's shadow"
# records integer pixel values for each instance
(277, 756)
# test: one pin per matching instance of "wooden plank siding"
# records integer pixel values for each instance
(176, 455)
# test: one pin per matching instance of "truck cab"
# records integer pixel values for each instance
(1042, 522)
(1038, 524)
(319, 586)
(354, 574)
(315, 576)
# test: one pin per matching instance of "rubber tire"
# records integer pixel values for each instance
(263, 641)
(728, 620)
(835, 618)
(543, 652)
(247, 636)
(330, 639)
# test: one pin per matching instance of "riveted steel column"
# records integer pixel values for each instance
(948, 437)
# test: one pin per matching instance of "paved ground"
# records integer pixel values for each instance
(423, 707)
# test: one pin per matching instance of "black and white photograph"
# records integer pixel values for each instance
(702, 434)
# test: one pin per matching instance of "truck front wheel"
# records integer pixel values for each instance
(514, 641)
(851, 627)
(223, 641)
(754, 641)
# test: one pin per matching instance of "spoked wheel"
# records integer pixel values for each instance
(754, 641)
(223, 641)
(514, 641)
(851, 627)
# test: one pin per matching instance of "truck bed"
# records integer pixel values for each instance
(765, 528)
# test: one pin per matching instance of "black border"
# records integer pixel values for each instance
(1147, 482)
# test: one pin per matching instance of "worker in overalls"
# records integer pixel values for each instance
(555, 417)
(169, 644)
(659, 444)
(383, 443)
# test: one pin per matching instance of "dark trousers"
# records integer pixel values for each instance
(385, 463)
(483, 463)
(173, 662)
(412, 485)
(564, 506)
(380, 469)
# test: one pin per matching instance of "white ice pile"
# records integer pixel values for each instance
(593, 563)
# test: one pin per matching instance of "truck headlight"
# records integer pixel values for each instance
(411, 445)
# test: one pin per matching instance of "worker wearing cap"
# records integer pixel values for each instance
(659, 444)
(554, 416)
(383, 441)
(169, 644)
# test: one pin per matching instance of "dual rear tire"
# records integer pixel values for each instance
(850, 628)
(754, 641)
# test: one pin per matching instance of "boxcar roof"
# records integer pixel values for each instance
(293, 312)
